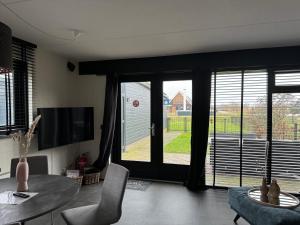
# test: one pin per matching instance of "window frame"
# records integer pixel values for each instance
(17, 117)
(272, 88)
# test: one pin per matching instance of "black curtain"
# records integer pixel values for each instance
(109, 121)
(200, 128)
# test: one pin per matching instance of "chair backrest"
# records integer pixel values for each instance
(113, 190)
(38, 165)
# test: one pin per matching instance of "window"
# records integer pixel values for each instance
(241, 123)
(285, 162)
(16, 88)
(238, 128)
(287, 78)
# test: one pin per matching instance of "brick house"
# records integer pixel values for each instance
(177, 103)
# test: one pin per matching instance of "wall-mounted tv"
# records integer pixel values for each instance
(62, 126)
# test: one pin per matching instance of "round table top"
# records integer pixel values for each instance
(285, 200)
(53, 192)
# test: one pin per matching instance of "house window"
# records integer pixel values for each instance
(16, 88)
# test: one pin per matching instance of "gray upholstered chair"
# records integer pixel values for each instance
(38, 165)
(109, 210)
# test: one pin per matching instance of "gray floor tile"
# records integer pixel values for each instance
(160, 204)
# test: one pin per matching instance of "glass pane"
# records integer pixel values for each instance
(135, 121)
(12, 105)
(2, 101)
(228, 124)
(288, 78)
(254, 126)
(177, 110)
(286, 141)
(226, 93)
(209, 165)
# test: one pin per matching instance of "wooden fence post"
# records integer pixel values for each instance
(168, 123)
(185, 124)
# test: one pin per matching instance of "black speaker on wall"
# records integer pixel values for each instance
(71, 66)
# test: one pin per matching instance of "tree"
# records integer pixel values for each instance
(281, 108)
(258, 117)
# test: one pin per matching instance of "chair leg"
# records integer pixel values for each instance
(236, 218)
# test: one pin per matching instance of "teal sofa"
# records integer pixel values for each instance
(257, 214)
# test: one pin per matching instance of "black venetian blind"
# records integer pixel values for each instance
(16, 89)
(238, 128)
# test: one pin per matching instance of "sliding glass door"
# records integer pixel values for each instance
(238, 128)
(155, 126)
(249, 108)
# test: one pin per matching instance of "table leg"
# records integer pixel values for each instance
(236, 218)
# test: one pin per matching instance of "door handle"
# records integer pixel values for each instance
(152, 128)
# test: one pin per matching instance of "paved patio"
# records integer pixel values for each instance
(140, 150)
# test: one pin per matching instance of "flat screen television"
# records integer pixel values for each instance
(62, 126)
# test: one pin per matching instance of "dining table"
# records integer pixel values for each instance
(53, 192)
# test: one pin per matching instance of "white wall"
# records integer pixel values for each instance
(91, 92)
(57, 87)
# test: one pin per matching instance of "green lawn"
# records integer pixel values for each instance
(181, 144)
(223, 124)
(179, 123)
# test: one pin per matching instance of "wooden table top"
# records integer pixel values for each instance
(54, 192)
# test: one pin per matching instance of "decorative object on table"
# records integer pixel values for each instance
(274, 192)
(285, 200)
(22, 173)
(264, 189)
(24, 141)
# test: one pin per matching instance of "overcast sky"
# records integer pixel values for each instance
(171, 88)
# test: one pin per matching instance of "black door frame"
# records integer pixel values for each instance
(275, 89)
(155, 169)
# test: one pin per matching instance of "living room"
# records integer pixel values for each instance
(198, 102)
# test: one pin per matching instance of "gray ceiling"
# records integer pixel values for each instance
(138, 28)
